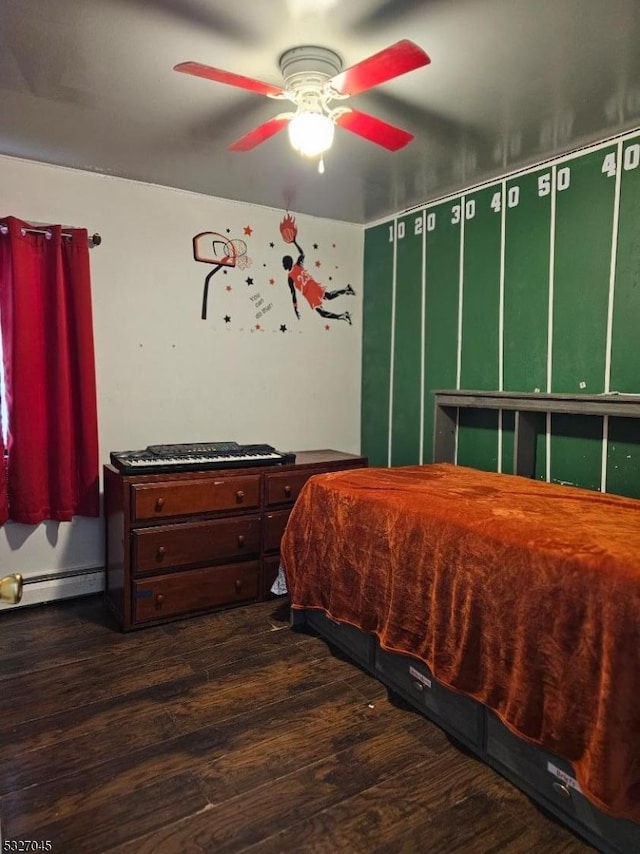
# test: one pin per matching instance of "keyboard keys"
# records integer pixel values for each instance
(184, 460)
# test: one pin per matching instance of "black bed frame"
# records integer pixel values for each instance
(547, 779)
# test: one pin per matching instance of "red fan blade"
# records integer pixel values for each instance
(391, 62)
(221, 76)
(375, 130)
(259, 134)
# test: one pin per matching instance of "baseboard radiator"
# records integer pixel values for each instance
(66, 584)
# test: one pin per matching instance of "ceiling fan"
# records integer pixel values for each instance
(313, 80)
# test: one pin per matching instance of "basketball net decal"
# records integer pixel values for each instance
(210, 247)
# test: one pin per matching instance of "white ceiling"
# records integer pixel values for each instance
(90, 84)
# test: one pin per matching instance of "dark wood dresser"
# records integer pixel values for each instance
(187, 543)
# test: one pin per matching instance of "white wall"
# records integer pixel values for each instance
(166, 375)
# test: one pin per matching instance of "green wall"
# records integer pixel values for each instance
(529, 283)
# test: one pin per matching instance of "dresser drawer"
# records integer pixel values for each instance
(170, 546)
(195, 590)
(284, 487)
(275, 521)
(181, 498)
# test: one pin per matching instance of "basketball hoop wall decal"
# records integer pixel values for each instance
(209, 247)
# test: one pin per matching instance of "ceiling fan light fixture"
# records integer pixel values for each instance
(311, 133)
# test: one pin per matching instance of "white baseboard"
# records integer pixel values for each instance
(63, 585)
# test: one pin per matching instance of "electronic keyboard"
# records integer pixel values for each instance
(157, 459)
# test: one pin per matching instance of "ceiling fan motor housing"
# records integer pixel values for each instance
(308, 67)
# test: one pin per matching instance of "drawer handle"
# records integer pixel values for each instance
(241, 539)
(159, 503)
(418, 685)
(287, 491)
(562, 789)
(159, 600)
(161, 552)
(240, 496)
(238, 585)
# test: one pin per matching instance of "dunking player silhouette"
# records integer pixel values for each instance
(299, 279)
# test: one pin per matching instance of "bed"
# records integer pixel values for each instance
(505, 608)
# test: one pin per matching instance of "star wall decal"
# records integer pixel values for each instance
(248, 230)
(227, 319)
(272, 281)
(327, 327)
(315, 245)
(228, 289)
(283, 327)
(318, 263)
(272, 244)
(249, 280)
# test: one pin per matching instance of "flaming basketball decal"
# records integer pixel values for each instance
(288, 229)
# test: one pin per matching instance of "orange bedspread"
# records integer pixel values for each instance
(522, 594)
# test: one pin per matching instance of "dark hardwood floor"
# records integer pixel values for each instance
(231, 733)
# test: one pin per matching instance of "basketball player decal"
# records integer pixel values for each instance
(301, 282)
(209, 247)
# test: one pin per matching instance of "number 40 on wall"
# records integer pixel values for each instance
(630, 160)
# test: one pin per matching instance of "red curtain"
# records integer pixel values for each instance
(47, 334)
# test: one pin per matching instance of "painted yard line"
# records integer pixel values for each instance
(460, 304)
(393, 335)
(552, 254)
(612, 285)
(503, 240)
(422, 333)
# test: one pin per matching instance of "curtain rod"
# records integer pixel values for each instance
(94, 239)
